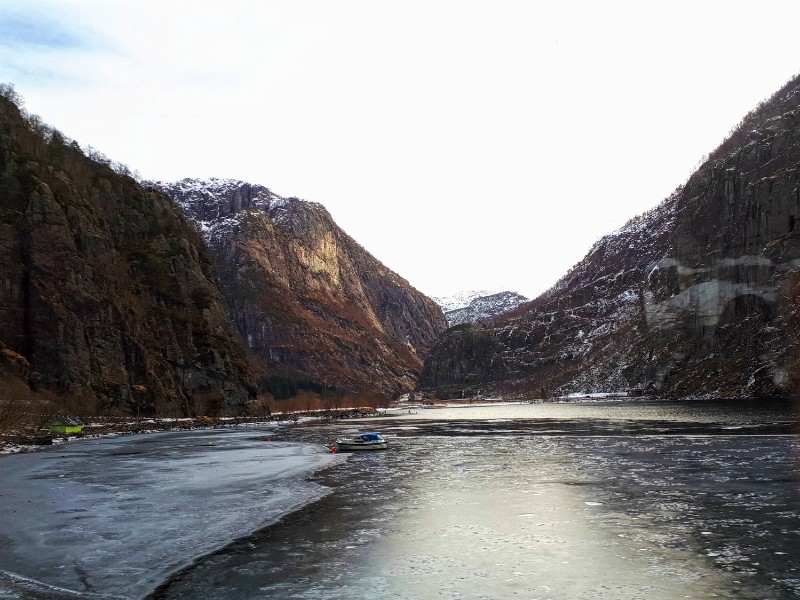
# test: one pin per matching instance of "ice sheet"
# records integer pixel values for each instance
(117, 516)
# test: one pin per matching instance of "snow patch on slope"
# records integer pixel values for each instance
(218, 206)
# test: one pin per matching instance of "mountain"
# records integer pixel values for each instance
(697, 297)
(110, 300)
(471, 307)
(459, 299)
(314, 308)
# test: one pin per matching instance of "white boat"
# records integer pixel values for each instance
(362, 441)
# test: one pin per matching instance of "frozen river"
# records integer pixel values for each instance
(115, 517)
(644, 500)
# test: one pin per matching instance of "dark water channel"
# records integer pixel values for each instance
(645, 500)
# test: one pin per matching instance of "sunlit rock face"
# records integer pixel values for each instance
(696, 297)
(310, 303)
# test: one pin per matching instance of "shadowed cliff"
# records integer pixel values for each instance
(697, 297)
(108, 297)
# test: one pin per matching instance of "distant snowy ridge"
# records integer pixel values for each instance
(475, 306)
(460, 299)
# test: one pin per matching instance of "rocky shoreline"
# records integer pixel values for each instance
(24, 441)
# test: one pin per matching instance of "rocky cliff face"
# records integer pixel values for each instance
(696, 297)
(310, 302)
(108, 295)
(472, 307)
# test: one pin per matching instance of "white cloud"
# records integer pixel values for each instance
(466, 145)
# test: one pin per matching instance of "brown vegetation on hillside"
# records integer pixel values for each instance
(309, 302)
(109, 300)
(309, 402)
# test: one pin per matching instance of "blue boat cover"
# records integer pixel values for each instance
(371, 437)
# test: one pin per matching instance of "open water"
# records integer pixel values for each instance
(564, 501)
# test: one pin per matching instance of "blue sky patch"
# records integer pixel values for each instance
(32, 30)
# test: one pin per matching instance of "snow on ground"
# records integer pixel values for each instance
(117, 516)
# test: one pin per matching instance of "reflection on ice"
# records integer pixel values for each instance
(651, 501)
(499, 510)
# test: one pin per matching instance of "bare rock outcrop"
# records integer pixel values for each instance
(697, 297)
(312, 305)
(108, 295)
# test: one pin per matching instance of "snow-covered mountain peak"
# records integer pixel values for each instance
(473, 306)
(209, 200)
(460, 299)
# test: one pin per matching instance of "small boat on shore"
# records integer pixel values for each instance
(362, 441)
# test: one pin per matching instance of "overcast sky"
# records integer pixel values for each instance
(467, 145)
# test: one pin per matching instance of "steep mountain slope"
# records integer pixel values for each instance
(109, 297)
(310, 302)
(696, 297)
(471, 307)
